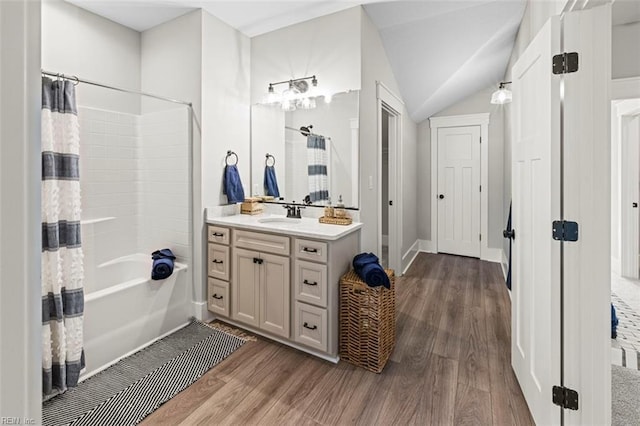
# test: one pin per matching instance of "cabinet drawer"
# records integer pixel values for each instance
(311, 283)
(217, 234)
(218, 296)
(218, 262)
(266, 243)
(310, 326)
(311, 250)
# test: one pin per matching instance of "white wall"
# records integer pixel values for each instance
(20, 229)
(78, 42)
(376, 67)
(625, 53)
(268, 136)
(199, 59)
(328, 47)
(474, 104)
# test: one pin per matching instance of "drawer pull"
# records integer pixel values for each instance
(217, 234)
(310, 250)
(258, 260)
(215, 296)
(309, 282)
(305, 325)
(217, 261)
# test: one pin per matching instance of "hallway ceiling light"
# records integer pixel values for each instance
(502, 95)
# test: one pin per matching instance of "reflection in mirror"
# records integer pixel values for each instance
(307, 154)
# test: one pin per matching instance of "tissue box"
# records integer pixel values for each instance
(251, 206)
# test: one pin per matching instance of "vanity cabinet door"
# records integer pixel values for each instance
(274, 294)
(246, 287)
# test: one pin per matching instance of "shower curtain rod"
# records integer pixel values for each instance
(311, 133)
(120, 89)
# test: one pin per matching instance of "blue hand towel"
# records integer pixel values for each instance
(232, 187)
(614, 323)
(270, 182)
(370, 271)
(163, 262)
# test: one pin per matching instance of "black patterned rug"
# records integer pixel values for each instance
(133, 388)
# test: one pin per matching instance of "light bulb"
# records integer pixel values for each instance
(288, 105)
(328, 97)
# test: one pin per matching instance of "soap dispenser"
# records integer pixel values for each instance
(340, 211)
(328, 209)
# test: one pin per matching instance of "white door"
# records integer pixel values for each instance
(535, 335)
(459, 190)
(630, 192)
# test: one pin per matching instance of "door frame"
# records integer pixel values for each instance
(482, 120)
(391, 103)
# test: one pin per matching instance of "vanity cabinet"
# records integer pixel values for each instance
(280, 284)
(218, 270)
(260, 291)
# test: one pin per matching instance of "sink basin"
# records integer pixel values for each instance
(279, 220)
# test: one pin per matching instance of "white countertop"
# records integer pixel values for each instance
(305, 227)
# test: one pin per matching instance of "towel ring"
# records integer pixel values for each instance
(229, 154)
(266, 161)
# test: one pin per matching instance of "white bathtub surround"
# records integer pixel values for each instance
(125, 310)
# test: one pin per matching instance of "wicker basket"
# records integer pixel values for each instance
(367, 322)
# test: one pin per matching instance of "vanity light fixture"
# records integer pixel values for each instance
(299, 94)
(502, 95)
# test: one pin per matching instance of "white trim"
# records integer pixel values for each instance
(200, 311)
(625, 88)
(20, 240)
(413, 249)
(505, 264)
(385, 240)
(392, 103)
(493, 255)
(481, 120)
(425, 246)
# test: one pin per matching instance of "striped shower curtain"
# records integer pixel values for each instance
(62, 269)
(317, 167)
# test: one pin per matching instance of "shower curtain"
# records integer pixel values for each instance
(317, 167)
(62, 269)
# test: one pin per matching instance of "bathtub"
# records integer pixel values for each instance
(125, 310)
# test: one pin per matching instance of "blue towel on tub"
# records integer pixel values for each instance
(232, 187)
(370, 271)
(270, 182)
(163, 263)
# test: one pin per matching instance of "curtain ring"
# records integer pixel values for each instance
(229, 154)
(77, 80)
(266, 161)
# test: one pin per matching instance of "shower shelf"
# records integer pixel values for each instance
(96, 220)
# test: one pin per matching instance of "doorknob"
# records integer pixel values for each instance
(441, 196)
(509, 233)
(635, 205)
(390, 202)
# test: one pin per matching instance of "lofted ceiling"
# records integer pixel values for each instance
(441, 51)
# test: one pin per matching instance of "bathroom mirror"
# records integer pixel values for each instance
(312, 152)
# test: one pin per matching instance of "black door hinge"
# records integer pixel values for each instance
(564, 230)
(565, 63)
(565, 397)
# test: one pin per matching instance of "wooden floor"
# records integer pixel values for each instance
(450, 365)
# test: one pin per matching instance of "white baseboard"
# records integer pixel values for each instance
(410, 256)
(425, 246)
(201, 312)
(492, 255)
(505, 264)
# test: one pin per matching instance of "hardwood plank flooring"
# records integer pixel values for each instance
(451, 365)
